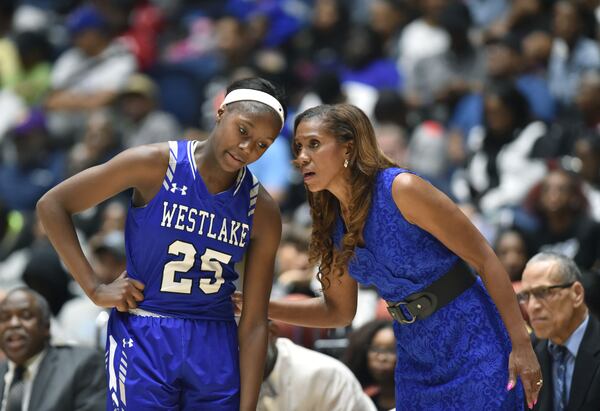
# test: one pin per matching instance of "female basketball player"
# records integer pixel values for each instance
(196, 210)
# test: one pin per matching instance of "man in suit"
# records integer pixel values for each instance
(38, 376)
(568, 338)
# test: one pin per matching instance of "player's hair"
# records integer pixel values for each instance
(260, 84)
(346, 123)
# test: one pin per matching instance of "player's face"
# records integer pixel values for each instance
(242, 137)
(319, 156)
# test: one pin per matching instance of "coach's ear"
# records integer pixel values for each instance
(349, 146)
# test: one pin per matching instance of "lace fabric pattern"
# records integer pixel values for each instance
(456, 359)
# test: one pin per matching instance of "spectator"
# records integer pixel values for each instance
(512, 250)
(387, 18)
(87, 76)
(366, 70)
(505, 64)
(523, 17)
(572, 53)
(392, 140)
(140, 121)
(100, 142)
(35, 167)
(423, 30)
(500, 172)
(581, 120)
(587, 151)
(440, 80)
(371, 355)
(38, 375)
(298, 379)
(568, 337)
(564, 224)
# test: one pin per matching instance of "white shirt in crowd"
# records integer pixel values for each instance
(303, 380)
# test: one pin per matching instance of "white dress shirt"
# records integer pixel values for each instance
(31, 369)
(303, 380)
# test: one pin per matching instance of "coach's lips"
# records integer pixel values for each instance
(307, 175)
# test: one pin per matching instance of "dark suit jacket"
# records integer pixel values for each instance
(585, 386)
(68, 379)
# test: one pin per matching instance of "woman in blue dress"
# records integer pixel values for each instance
(461, 340)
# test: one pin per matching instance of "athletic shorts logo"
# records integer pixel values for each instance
(127, 343)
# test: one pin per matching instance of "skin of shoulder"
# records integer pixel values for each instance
(424, 205)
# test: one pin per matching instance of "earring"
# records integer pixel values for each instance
(346, 163)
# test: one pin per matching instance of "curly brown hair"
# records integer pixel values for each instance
(347, 123)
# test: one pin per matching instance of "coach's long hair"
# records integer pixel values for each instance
(346, 123)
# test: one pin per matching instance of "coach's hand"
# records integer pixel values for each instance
(524, 364)
(238, 302)
(123, 293)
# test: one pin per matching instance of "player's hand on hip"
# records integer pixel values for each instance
(123, 293)
(524, 364)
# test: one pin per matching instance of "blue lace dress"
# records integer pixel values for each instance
(456, 359)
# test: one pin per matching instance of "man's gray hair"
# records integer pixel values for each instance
(567, 269)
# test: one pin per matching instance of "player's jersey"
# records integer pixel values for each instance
(184, 243)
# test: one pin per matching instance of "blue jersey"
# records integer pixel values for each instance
(183, 245)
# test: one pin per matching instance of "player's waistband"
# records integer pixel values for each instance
(146, 313)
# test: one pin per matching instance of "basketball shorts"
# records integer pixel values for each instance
(167, 363)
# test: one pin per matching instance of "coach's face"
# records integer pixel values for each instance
(550, 302)
(23, 331)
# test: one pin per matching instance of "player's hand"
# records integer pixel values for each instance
(238, 302)
(123, 293)
(524, 364)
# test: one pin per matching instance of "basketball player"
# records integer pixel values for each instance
(196, 210)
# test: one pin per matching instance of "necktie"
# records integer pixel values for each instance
(560, 356)
(15, 393)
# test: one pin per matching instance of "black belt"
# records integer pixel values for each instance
(422, 304)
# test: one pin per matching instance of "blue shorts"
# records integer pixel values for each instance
(171, 364)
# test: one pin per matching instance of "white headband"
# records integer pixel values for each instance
(245, 94)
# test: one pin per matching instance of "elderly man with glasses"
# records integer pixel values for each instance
(568, 338)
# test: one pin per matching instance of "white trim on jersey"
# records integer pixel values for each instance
(172, 164)
(240, 179)
(191, 148)
(253, 195)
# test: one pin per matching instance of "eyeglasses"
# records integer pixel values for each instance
(541, 293)
(389, 352)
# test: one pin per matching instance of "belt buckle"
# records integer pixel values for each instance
(397, 313)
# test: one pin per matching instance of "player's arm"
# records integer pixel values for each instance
(141, 168)
(425, 206)
(258, 279)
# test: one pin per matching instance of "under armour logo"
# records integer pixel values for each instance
(174, 188)
(127, 343)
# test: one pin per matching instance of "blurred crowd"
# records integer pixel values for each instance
(495, 102)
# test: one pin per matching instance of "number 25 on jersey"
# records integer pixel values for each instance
(211, 261)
